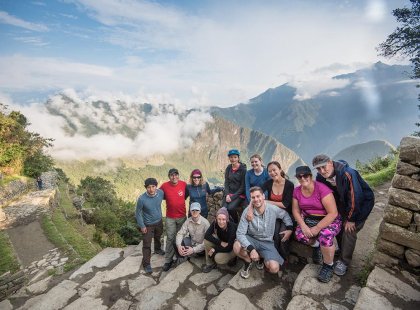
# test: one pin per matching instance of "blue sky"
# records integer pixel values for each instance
(187, 52)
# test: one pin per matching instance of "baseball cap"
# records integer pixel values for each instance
(195, 206)
(233, 152)
(303, 170)
(320, 160)
(173, 171)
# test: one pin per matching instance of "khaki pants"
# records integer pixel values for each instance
(220, 258)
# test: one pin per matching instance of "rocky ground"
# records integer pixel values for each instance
(114, 279)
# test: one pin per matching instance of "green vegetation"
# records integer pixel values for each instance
(114, 220)
(363, 274)
(379, 170)
(67, 231)
(21, 151)
(8, 261)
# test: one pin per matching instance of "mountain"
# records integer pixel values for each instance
(364, 152)
(376, 103)
(206, 150)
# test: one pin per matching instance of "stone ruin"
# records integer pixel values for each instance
(399, 236)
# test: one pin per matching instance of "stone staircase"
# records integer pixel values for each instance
(113, 279)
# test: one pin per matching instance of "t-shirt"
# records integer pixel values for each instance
(312, 204)
(148, 209)
(175, 199)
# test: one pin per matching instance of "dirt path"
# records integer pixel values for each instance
(29, 242)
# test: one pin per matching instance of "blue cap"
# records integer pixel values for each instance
(195, 206)
(233, 152)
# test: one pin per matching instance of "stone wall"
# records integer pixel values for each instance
(13, 190)
(11, 283)
(399, 236)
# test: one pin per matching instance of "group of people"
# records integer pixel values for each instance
(261, 210)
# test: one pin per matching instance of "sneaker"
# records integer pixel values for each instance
(148, 269)
(167, 266)
(208, 268)
(340, 268)
(181, 260)
(260, 264)
(233, 261)
(326, 273)
(317, 255)
(160, 252)
(245, 271)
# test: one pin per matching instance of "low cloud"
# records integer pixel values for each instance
(160, 131)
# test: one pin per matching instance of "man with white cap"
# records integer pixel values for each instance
(190, 238)
(355, 201)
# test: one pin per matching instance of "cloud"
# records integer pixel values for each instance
(307, 89)
(162, 131)
(37, 41)
(5, 18)
(376, 10)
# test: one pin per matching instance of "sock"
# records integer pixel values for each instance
(315, 245)
(329, 264)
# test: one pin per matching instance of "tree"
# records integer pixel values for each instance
(100, 193)
(405, 40)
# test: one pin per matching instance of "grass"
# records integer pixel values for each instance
(8, 260)
(382, 176)
(363, 274)
(6, 179)
(67, 232)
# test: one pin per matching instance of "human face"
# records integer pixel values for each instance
(327, 170)
(196, 179)
(151, 190)
(274, 172)
(221, 221)
(234, 159)
(174, 178)
(304, 179)
(257, 199)
(256, 164)
(195, 214)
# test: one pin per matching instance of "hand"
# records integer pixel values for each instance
(286, 235)
(211, 252)
(181, 250)
(254, 255)
(224, 244)
(350, 227)
(144, 230)
(228, 198)
(306, 231)
(250, 213)
(189, 251)
(315, 230)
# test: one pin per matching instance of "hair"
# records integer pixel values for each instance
(201, 182)
(276, 163)
(256, 188)
(257, 156)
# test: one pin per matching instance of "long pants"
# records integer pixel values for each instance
(347, 242)
(172, 227)
(154, 231)
(282, 247)
(235, 208)
(186, 242)
(219, 258)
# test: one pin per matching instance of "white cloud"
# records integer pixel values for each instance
(161, 132)
(5, 18)
(37, 41)
(376, 10)
(307, 89)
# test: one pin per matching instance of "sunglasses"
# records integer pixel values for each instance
(300, 176)
(196, 176)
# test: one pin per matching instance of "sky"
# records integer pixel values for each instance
(192, 53)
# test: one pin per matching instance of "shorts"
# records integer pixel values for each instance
(266, 249)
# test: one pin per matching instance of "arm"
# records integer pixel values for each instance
(209, 234)
(329, 204)
(139, 214)
(247, 185)
(288, 196)
(241, 232)
(187, 192)
(181, 233)
(231, 240)
(354, 195)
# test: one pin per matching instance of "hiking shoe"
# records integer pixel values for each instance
(260, 264)
(160, 252)
(232, 262)
(208, 268)
(181, 260)
(317, 255)
(148, 269)
(340, 268)
(245, 271)
(167, 266)
(326, 273)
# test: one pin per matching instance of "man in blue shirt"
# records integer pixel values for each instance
(149, 220)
